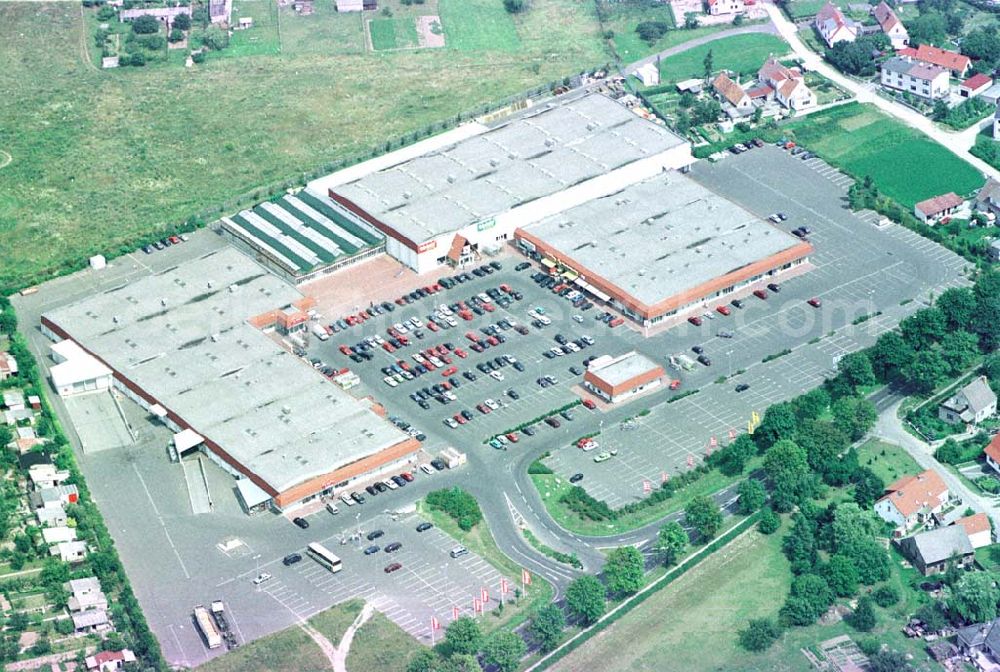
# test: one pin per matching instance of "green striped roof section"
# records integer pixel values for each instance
(254, 231)
(337, 217)
(324, 255)
(347, 247)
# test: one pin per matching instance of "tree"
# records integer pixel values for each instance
(948, 452)
(547, 626)
(867, 487)
(863, 619)
(182, 22)
(778, 423)
(585, 599)
(926, 370)
(991, 367)
(515, 6)
(823, 443)
(504, 650)
(799, 545)
(176, 35)
(957, 304)
(928, 28)
(808, 599)
(705, 111)
(856, 368)
(671, 542)
(854, 532)
(650, 32)
(888, 661)
(812, 404)
(841, 575)
(215, 38)
(889, 355)
(933, 616)
(702, 513)
(463, 636)
(885, 596)
(940, 111)
(424, 660)
(974, 597)
(759, 634)
(734, 457)
(855, 58)
(923, 328)
(752, 496)
(624, 570)
(788, 469)
(769, 521)
(145, 25)
(708, 64)
(691, 21)
(854, 416)
(983, 44)
(959, 349)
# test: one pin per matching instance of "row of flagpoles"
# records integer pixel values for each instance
(479, 603)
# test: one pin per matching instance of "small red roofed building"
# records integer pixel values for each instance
(975, 85)
(912, 500)
(933, 209)
(958, 64)
(992, 452)
(788, 84)
(977, 527)
(833, 26)
(735, 100)
(891, 25)
(8, 366)
(615, 379)
(109, 661)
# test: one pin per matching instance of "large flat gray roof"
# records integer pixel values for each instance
(182, 335)
(657, 238)
(540, 152)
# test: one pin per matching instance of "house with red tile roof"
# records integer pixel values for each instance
(978, 528)
(935, 208)
(109, 661)
(912, 500)
(833, 26)
(891, 25)
(975, 85)
(731, 93)
(789, 85)
(992, 453)
(956, 63)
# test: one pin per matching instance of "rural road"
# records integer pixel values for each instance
(958, 143)
(768, 28)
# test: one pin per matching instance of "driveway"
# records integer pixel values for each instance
(958, 142)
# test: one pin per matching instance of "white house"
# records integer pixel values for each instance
(833, 26)
(935, 208)
(648, 74)
(69, 551)
(971, 405)
(891, 25)
(915, 77)
(789, 85)
(977, 526)
(912, 499)
(85, 594)
(46, 475)
(57, 535)
(735, 99)
(722, 7)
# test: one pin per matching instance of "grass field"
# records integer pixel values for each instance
(380, 645)
(803, 9)
(623, 17)
(863, 141)
(393, 33)
(326, 32)
(475, 25)
(889, 461)
(739, 53)
(260, 40)
(290, 650)
(102, 158)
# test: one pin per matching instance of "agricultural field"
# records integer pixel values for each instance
(865, 142)
(325, 32)
(739, 53)
(392, 33)
(101, 160)
(889, 461)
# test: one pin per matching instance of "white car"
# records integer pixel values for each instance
(451, 321)
(557, 352)
(587, 339)
(346, 499)
(451, 422)
(492, 404)
(415, 321)
(578, 318)
(261, 578)
(445, 310)
(496, 375)
(573, 346)
(390, 381)
(437, 362)
(544, 320)
(450, 396)
(400, 328)
(427, 469)
(484, 298)
(510, 359)
(406, 375)
(380, 340)
(391, 484)
(503, 439)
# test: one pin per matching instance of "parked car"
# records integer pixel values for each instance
(291, 559)
(423, 527)
(389, 569)
(576, 478)
(301, 522)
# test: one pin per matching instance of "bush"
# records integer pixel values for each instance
(515, 6)
(651, 31)
(458, 504)
(885, 596)
(769, 522)
(584, 505)
(145, 25)
(759, 634)
(106, 13)
(988, 484)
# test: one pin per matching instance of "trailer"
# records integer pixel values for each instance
(222, 623)
(206, 625)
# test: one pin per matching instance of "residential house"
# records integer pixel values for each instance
(994, 251)
(988, 198)
(95, 620)
(788, 84)
(833, 26)
(69, 551)
(956, 63)
(722, 7)
(13, 400)
(19, 417)
(933, 209)
(356, 5)
(8, 365)
(914, 77)
(220, 11)
(911, 500)
(970, 405)
(975, 85)
(85, 594)
(165, 15)
(977, 527)
(34, 402)
(53, 516)
(58, 535)
(109, 661)
(891, 25)
(47, 475)
(934, 551)
(60, 495)
(648, 74)
(996, 122)
(992, 453)
(735, 100)
(981, 642)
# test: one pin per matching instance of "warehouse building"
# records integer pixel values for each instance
(458, 201)
(616, 379)
(183, 344)
(302, 236)
(662, 249)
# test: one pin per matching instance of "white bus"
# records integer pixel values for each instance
(324, 557)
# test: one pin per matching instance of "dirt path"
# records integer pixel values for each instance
(84, 53)
(340, 659)
(5, 159)
(328, 649)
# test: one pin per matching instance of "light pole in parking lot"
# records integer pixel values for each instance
(729, 357)
(257, 564)
(357, 519)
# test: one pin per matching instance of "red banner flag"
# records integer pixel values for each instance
(525, 577)
(454, 613)
(435, 623)
(647, 487)
(664, 477)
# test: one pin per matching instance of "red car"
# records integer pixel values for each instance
(617, 322)
(403, 339)
(723, 310)
(388, 347)
(465, 315)
(492, 340)
(477, 348)
(471, 335)
(432, 325)
(675, 383)
(460, 419)
(695, 320)
(506, 288)
(589, 403)
(389, 569)
(406, 476)
(346, 350)
(760, 293)
(429, 366)
(814, 302)
(513, 438)
(461, 353)
(400, 302)
(450, 371)
(441, 350)
(483, 408)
